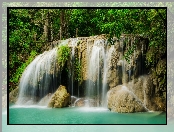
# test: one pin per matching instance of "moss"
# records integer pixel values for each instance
(63, 54)
(78, 68)
(150, 57)
(78, 42)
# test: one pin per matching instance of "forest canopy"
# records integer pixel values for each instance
(30, 29)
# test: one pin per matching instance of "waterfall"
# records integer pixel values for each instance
(104, 66)
(73, 44)
(98, 60)
(39, 78)
(123, 62)
(107, 58)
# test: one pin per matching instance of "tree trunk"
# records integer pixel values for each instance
(62, 15)
(47, 27)
(64, 18)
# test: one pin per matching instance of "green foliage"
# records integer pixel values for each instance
(159, 74)
(27, 26)
(151, 57)
(78, 75)
(17, 75)
(21, 42)
(81, 19)
(129, 53)
(63, 54)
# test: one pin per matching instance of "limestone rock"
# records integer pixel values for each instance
(60, 98)
(122, 100)
(138, 88)
(45, 100)
(82, 102)
(13, 96)
(113, 75)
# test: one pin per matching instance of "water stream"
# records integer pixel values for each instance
(39, 78)
(97, 62)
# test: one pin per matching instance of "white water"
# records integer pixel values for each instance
(73, 45)
(98, 70)
(96, 61)
(76, 101)
(30, 106)
(123, 61)
(39, 78)
(140, 102)
(107, 59)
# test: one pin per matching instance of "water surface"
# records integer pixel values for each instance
(80, 115)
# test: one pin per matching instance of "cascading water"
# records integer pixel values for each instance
(73, 43)
(123, 61)
(94, 70)
(97, 71)
(39, 78)
(42, 76)
(107, 58)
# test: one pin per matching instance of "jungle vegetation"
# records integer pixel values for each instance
(30, 29)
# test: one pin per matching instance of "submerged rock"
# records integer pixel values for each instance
(122, 100)
(45, 100)
(60, 98)
(82, 102)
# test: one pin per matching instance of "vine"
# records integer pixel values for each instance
(128, 54)
(78, 66)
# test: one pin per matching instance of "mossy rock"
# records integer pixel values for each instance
(121, 100)
(60, 98)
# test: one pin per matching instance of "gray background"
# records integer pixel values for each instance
(87, 128)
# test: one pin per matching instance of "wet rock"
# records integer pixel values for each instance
(80, 102)
(137, 88)
(160, 103)
(113, 75)
(13, 96)
(122, 100)
(73, 99)
(60, 98)
(90, 102)
(45, 100)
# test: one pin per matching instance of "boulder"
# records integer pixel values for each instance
(45, 100)
(122, 100)
(82, 102)
(60, 98)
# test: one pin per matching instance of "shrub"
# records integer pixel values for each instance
(63, 54)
